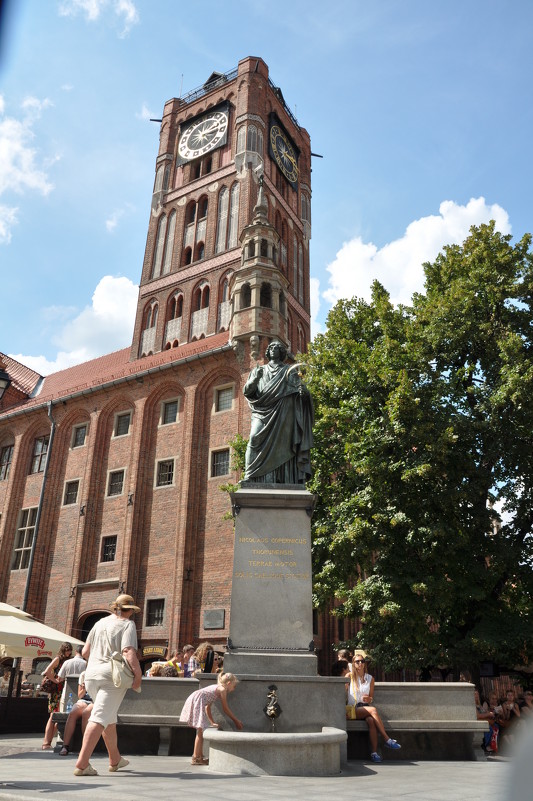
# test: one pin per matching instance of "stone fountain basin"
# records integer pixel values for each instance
(276, 753)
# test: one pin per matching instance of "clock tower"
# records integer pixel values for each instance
(228, 238)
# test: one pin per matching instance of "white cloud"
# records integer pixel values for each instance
(102, 327)
(125, 11)
(113, 219)
(8, 218)
(144, 113)
(18, 159)
(398, 264)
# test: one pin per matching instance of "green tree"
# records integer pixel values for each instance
(424, 429)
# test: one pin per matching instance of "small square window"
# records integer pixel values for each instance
(224, 399)
(122, 424)
(220, 463)
(78, 436)
(71, 492)
(155, 612)
(109, 549)
(116, 482)
(169, 413)
(165, 473)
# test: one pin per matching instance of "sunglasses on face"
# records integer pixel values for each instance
(359, 661)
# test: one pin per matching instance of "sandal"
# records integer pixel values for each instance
(199, 761)
(65, 750)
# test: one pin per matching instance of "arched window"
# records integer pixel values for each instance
(202, 208)
(283, 246)
(295, 266)
(233, 216)
(224, 306)
(246, 296)
(169, 243)
(300, 273)
(264, 248)
(199, 252)
(301, 339)
(227, 218)
(222, 219)
(186, 257)
(265, 296)
(149, 327)
(251, 248)
(166, 178)
(190, 213)
(251, 139)
(158, 183)
(195, 228)
(173, 323)
(241, 139)
(159, 246)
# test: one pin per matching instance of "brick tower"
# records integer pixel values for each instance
(110, 471)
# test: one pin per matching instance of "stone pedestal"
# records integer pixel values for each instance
(271, 625)
(271, 643)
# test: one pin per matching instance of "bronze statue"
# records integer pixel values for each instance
(281, 435)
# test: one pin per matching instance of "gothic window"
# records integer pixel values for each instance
(295, 266)
(241, 139)
(199, 251)
(283, 246)
(158, 183)
(166, 178)
(246, 296)
(159, 246)
(301, 339)
(264, 248)
(201, 297)
(150, 320)
(222, 219)
(186, 257)
(227, 218)
(175, 307)
(254, 139)
(300, 273)
(233, 216)
(265, 296)
(251, 249)
(169, 243)
(306, 208)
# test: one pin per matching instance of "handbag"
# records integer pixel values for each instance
(121, 672)
(49, 686)
(350, 711)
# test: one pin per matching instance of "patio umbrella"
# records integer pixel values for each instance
(22, 635)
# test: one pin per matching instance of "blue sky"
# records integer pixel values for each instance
(422, 112)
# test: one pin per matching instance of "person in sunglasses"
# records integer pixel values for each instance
(361, 693)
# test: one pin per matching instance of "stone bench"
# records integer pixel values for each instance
(148, 722)
(431, 720)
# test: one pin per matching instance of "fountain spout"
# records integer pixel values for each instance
(272, 710)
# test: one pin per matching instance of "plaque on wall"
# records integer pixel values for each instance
(214, 618)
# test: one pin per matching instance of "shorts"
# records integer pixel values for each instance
(107, 700)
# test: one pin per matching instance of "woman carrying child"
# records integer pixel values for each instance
(197, 711)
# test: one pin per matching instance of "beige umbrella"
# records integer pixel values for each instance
(22, 635)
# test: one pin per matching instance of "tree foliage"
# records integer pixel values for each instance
(424, 460)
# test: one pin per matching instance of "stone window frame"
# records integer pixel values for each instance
(22, 548)
(105, 546)
(75, 429)
(219, 389)
(117, 418)
(110, 473)
(158, 463)
(67, 491)
(158, 613)
(39, 457)
(213, 452)
(164, 404)
(6, 458)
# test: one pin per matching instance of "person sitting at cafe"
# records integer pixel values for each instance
(81, 709)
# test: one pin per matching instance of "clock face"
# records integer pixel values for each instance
(284, 154)
(203, 135)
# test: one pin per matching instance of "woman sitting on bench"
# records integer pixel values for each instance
(361, 694)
